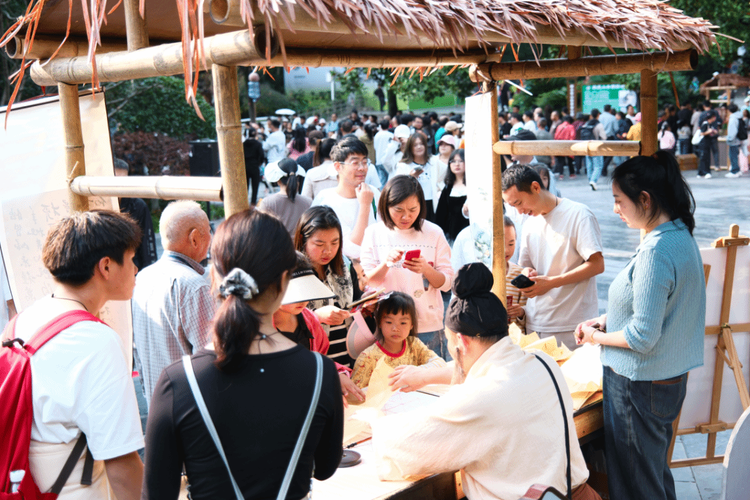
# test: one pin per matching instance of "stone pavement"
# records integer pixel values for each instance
(720, 202)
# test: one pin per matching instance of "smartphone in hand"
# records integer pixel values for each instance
(412, 254)
(521, 281)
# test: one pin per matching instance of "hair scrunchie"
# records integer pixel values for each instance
(238, 283)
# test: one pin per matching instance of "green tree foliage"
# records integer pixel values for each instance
(158, 105)
(732, 18)
(408, 85)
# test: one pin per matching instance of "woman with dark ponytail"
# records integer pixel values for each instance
(257, 385)
(287, 205)
(652, 333)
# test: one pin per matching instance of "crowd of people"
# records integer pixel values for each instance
(230, 355)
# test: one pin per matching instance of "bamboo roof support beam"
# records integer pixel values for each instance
(585, 66)
(229, 136)
(649, 113)
(135, 26)
(498, 228)
(156, 187)
(161, 60)
(45, 47)
(568, 148)
(75, 162)
(229, 50)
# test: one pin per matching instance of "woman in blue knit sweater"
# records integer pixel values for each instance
(652, 334)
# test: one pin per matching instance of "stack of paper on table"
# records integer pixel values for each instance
(383, 400)
(532, 341)
(582, 368)
(583, 373)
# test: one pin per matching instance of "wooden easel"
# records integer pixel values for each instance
(725, 353)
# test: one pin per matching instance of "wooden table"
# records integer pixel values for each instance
(361, 481)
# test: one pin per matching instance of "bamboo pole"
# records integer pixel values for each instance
(498, 228)
(158, 187)
(586, 66)
(226, 12)
(43, 48)
(649, 112)
(75, 162)
(162, 60)
(229, 50)
(136, 28)
(568, 148)
(229, 135)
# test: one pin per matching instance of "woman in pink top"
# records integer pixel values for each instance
(406, 253)
(299, 144)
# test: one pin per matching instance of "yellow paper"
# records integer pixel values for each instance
(518, 337)
(547, 346)
(583, 373)
(378, 392)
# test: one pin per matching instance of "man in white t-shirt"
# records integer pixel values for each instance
(275, 144)
(354, 201)
(80, 381)
(561, 243)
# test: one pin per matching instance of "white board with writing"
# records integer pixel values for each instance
(34, 194)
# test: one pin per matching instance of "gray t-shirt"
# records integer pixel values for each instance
(289, 212)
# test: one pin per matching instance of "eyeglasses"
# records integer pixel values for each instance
(358, 164)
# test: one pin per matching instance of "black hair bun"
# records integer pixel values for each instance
(472, 279)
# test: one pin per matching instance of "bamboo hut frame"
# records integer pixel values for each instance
(456, 33)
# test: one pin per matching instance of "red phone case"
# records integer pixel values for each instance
(412, 254)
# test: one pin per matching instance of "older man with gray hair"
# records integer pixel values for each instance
(172, 302)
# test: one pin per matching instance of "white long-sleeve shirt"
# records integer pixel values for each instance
(378, 243)
(502, 428)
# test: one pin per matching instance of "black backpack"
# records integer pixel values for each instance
(586, 132)
(741, 130)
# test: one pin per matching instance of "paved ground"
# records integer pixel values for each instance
(720, 202)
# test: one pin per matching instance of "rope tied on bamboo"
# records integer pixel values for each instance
(74, 172)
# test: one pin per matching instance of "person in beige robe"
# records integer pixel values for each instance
(500, 424)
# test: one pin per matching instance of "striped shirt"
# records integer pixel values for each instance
(343, 287)
(513, 295)
(172, 312)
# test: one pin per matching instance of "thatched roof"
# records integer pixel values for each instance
(349, 27)
(726, 80)
(411, 24)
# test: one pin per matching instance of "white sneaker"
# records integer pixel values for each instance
(732, 175)
(593, 186)
(706, 176)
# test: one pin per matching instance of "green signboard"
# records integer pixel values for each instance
(596, 96)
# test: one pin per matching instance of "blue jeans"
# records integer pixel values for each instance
(436, 342)
(638, 418)
(734, 158)
(684, 146)
(594, 166)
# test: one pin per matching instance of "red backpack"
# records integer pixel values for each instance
(17, 413)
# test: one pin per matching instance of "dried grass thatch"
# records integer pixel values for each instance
(454, 24)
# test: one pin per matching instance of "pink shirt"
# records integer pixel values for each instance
(378, 243)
